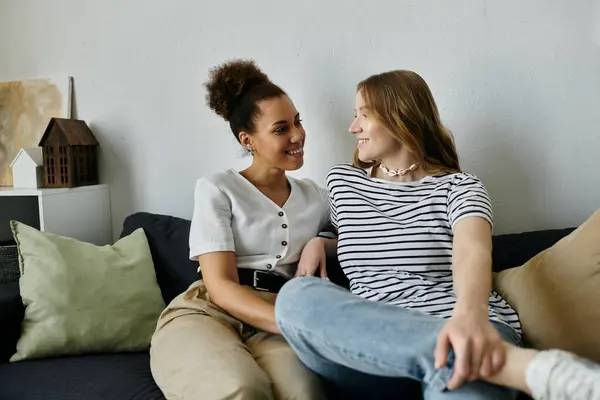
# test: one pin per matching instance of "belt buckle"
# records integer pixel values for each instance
(257, 279)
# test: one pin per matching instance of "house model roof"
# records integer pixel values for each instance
(34, 153)
(76, 132)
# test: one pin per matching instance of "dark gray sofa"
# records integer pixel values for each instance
(127, 376)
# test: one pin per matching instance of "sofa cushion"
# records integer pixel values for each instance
(94, 377)
(168, 239)
(556, 293)
(514, 249)
(82, 298)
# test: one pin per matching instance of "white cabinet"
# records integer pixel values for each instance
(82, 213)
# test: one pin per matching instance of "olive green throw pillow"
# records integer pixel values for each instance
(81, 298)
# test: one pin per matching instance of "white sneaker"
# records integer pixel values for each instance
(560, 375)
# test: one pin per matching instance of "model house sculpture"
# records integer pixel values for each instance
(70, 154)
(27, 168)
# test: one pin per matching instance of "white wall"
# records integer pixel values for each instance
(596, 21)
(517, 81)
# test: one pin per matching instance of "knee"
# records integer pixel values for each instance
(240, 382)
(300, 301)
(195, 381)
(220, 388)
(246, 389)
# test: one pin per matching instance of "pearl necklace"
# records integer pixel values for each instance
(399, 171)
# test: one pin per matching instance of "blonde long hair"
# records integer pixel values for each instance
(403, 103)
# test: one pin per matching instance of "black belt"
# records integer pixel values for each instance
(261, 280)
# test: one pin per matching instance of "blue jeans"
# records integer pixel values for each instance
(340, 335)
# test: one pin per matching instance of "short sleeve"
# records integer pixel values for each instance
(333, 218)
(210, 230)
(469, 198)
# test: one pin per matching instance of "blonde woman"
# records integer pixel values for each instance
(415, 241)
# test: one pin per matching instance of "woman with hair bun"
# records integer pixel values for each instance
(219, 339)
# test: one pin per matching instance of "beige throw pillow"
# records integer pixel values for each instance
(557, 293)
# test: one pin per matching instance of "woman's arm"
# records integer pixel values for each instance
(212, 244)
(220, 274)
(472, 265)
(476, 343)
(314, 256)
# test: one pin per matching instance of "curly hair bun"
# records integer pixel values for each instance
(229, 82)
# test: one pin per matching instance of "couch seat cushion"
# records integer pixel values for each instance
(94, 377)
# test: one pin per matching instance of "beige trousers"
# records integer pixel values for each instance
(201, 352)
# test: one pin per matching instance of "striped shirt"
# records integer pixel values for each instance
(395, 238)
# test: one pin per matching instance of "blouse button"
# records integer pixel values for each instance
(284, 226)
(281, 213)
(284, 243)
(278, 256)
(269, 266)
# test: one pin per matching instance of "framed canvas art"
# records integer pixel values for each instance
(26, 107)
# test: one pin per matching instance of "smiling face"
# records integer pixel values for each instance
(278, 140)
(372, 140)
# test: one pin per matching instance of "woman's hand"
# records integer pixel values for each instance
(313, 257)
(478, 348)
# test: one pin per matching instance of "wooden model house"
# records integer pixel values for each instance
(70, 154)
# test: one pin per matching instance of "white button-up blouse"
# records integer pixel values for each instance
(231, 214)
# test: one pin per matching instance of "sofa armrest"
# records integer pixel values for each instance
(11, 316)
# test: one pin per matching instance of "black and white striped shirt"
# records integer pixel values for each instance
(395, 238)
